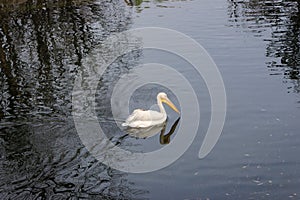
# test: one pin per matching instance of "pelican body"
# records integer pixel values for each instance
(146, 118)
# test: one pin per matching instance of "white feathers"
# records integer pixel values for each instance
(146, 118)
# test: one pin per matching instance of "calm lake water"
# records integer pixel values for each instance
(45, 45)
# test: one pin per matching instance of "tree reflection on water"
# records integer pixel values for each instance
(42, 44)
(283, 19)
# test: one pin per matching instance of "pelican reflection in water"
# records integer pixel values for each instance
(153, 130)
(148, 118)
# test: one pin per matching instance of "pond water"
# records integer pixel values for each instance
(45, 45)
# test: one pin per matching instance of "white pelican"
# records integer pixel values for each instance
(145, 118)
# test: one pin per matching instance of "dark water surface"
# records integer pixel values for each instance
(255, 44)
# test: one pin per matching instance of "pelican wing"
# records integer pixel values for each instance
(144, 118)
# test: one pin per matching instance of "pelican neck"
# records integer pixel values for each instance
(160, 105)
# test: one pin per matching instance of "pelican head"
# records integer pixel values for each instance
(162, 97)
